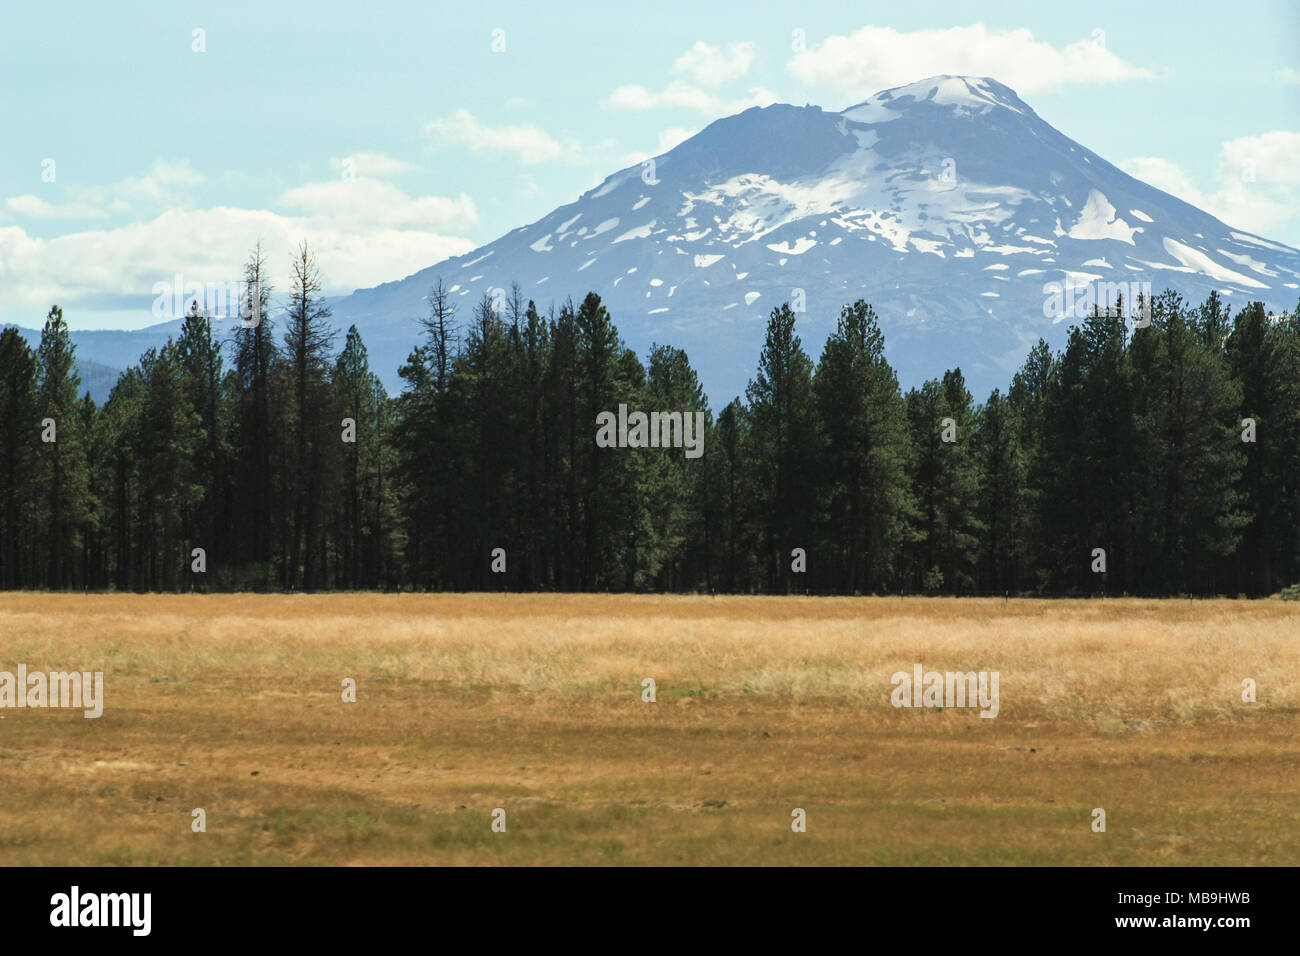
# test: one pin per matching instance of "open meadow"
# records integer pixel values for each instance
(534, 704)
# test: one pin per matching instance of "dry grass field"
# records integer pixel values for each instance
(466, 703)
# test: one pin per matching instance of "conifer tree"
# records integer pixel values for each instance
(19, 442)
(864, 429)
(783, 450)
(62, 454)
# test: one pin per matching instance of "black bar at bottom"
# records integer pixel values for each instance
(939, 905)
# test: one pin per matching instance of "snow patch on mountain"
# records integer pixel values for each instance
(1199, 262)
(1097, 220)
(636, 232)
(918, 199)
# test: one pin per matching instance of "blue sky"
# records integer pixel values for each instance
(391, 135)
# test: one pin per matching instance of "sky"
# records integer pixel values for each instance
(142, 142)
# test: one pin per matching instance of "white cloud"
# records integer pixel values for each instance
(876, 58)
(674, 136)
(1165, 175)
(1272, 157)
(712, 66)
(205, 246)
(531, 144)
(164, 183)
(374, 164)
(363, 232)
(176, 173)
(684, 95)
(708, 67)
(367, 203)
(168, 183)
(1288, 76)
(668, 138)
(677, 93)
(1256, 183)
(29, 206)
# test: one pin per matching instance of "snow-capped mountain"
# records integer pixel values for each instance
(948, 204)
(967, 221)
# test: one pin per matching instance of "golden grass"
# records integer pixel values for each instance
(533, 704)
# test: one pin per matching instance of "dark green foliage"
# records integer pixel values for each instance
(783, 452)
(863, 431)
(18, 447)
(289, 467)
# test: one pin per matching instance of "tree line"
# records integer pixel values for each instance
(1155, 460)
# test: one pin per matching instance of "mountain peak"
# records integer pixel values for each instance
(972, 226)
(965, 95)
